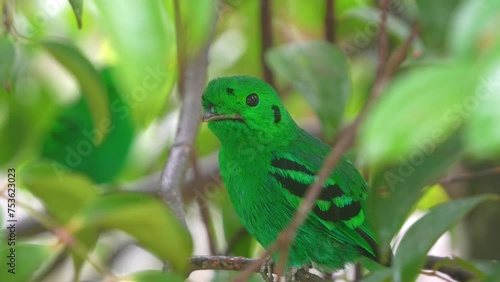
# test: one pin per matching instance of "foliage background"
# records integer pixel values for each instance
(88, 117)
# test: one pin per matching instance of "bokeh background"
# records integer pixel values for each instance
(91, 94)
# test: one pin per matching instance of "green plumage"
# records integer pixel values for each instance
(267, 163)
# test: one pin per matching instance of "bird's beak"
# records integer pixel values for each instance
(211, 116)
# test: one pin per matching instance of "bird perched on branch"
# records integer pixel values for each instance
(267, 162)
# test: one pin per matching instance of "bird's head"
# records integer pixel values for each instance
(239, 107)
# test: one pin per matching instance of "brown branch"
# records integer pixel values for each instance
(238, 264)
(399, 56)
(266, 30)
(174, 172)
(445, 265)
(330, 21)
(383, 42)
(469, 176)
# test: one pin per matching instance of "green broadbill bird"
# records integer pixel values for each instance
(267, 162)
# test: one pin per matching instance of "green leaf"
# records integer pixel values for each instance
(70, 140)
(153, 276)
(426, 105)
(63, 194)
(144, 51)
(383, 275)
(358, 28)
(434, 18)
(23, 125)
(51, 183)
(88, 78)
(483, 130)
(24, 260)
(320, 72)
(418, 240)
(147, 220)
(474, 28)
(77, 6)
(397, 188)
(197, 17)
(433, 196)
(8, 55)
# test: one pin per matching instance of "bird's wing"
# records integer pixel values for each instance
(339, 205)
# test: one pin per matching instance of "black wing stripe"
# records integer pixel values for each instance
(286, 164)
(335, 213)
(295, 187)
(299, 189)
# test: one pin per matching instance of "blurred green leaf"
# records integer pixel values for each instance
(70, 140)
(153, 276)
(196, 20)
(320, 72)
(63, 194)
(88, 78)
(434, 18)
(23, 122)
(28, 258)
(432, 97)
(433, 196)
(50, 183)
(397, 188)
(465, 265)
(483, 130)
(77, 6)
(474, 28)
(418, 240)
(147, 220)
(8, 55)
(360, 26)
(494, 277)
(146, 69)
(383, 275)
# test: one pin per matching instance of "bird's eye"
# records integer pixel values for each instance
(252, 100)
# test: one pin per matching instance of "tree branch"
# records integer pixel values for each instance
(266, 30)
(238, 264)
(383, 42)
(469, 176)
(445, 265)
(174, 172)
(330, 21)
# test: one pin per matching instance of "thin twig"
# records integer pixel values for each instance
(399, 56)
(174, 172)
(469, 176)
(266, 30)
(330, 21)
(383, 41)
(445, 265)
(448, 266)
(238, 264)
(203, 205)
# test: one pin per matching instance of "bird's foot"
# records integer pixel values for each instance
(266, 270)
